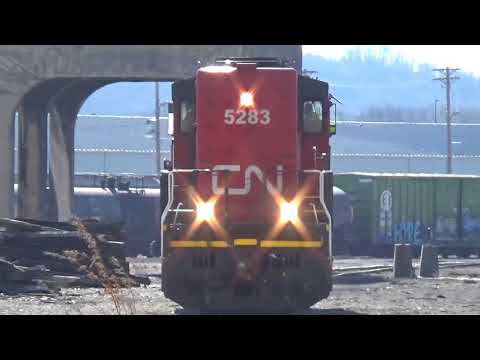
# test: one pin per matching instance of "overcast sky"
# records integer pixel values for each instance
(466, 57)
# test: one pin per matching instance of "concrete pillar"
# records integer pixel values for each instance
(62, 155)
(402, 263)
(32, 177)
(64, 108)
(33, 149)
(429, 261)
(7, 155)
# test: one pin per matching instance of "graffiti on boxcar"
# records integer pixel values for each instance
(408, 232)
(471, 224)
(446, 228)
(386, 216)
(403, 232)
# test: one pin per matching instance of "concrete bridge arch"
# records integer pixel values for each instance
(38, 80)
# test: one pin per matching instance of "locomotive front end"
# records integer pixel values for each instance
(247, 225)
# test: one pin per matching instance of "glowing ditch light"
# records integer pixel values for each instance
(288, 212)
(246, 99)
(205, 211)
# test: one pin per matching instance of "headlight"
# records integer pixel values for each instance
(205, 211)
(246, 99)
(288, 212)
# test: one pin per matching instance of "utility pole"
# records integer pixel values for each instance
(446, 80)
(436, 101)
(157, 128)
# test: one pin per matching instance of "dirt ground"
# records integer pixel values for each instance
(457, 291)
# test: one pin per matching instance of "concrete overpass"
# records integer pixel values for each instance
(38, 80)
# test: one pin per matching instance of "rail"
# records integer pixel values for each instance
(356, 270)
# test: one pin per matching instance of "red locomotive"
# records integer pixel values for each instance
(246, 223)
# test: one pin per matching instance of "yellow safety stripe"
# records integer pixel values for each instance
(245, 242)
(198, 244)
(216, 244)
(219, 244)
(290, 244)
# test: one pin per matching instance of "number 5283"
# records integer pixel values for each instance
(247, 117)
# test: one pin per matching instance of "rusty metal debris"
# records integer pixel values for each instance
(41, 257)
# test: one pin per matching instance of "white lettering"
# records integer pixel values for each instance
(252, 169)
(244, 117)
(229, 117)
(265, 120)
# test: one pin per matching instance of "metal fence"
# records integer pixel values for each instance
(137, 132)
(405, 163)
(142, 162)
(117, 161)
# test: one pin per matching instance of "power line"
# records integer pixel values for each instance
(446, 79)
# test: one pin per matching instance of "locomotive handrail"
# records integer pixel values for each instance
(171, 185)
(167, 209)
(321, 193)
(315, 212)
(190, 170)
(180, 204)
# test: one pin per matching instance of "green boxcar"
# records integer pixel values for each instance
(415, 209)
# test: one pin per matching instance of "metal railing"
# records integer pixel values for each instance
(143, 162)
(404, 163)
(171, 195)
(321, 194)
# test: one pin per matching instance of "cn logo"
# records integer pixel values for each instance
(252, 169)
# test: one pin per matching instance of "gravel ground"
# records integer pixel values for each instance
(353, 294)
(380, 294)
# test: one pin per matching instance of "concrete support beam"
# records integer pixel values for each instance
(7, 134)
(32, 151)
(142, 62)
(285, 52)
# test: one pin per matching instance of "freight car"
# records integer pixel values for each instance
(443, 210)
(342, 222)
(248, 220)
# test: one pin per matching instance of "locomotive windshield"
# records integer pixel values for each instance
(312, 117)
(187, 117)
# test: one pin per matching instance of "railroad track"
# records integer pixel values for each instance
(353, 270)
(341, 270)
